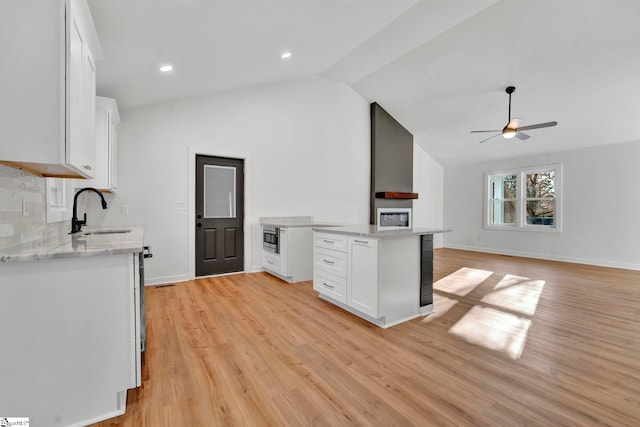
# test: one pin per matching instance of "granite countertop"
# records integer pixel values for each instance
(294, 221)
(367, 230)
(81, 244)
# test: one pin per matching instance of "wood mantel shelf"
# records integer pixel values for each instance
(395, 195)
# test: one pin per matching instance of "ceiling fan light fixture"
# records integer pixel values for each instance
(513, 127)
(508, 133)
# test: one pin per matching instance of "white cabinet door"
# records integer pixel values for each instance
(363, 290)
(284, 251)
(81, 96)
(48, 111)
(75, 94)
(113, 153)
(107, 119)
(89, 113)
(73, 338)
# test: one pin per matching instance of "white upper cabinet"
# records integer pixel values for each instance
(47, 114)
(107, 120)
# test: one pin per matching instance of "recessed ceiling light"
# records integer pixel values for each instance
(286, 55)
(166, 68)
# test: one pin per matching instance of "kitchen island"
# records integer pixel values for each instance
(70, 326)
(382, 276)
(287, 243)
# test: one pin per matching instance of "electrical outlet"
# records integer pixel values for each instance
(124, 210)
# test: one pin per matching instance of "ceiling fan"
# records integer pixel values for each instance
(513, 127)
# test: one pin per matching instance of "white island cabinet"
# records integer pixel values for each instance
(47, 113)
(291, 258)
(376, 275)
(70, 329)
(364, 275)
(292, 263)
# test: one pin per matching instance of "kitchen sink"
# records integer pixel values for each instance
(120, 231)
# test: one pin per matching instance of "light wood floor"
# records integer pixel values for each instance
(555, 344)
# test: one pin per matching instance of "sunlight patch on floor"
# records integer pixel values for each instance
(493, 329)
(462, 281)
(441, 305)
(516, 293)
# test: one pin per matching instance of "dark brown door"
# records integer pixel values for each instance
(219, 215)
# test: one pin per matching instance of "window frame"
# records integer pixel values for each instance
(521, 199)
(59, 212)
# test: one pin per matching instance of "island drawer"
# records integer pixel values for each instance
(330, 285)
(272, 261)
(337, 242)
(330, 261)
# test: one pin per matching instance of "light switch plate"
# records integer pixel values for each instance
(182, 206)
(124, 210)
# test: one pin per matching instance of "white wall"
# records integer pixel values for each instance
(601, 208)
(308, 142)
(428, 177)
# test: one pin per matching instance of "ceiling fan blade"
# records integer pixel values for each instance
(480, 131)
(522, 136)
(491, 137)
(538, 126)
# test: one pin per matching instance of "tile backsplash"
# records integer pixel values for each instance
(23, 209)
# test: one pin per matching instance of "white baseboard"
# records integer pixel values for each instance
(185, 277)
(165, 279)
(99, 418)
(575, 260)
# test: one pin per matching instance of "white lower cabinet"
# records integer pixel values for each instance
(364, 275)
(71, 334)
(293, 262)
(349, 272)
(376, 279)
(273, 262)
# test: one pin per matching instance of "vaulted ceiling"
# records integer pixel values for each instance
(440, 67)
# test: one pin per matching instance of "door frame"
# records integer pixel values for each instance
(193, 151)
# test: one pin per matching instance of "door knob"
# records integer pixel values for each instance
(199, 225)
(199, 216)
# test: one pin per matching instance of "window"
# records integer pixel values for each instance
(524, 199)
(58, 199)
(56, 192)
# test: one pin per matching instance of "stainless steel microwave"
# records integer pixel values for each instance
(394, 218)
(270, 239)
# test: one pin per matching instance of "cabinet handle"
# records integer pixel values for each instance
(366, 242)
(328, 286)
(328, 262)
(328, 241)
(270, 262)
(87, 167)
